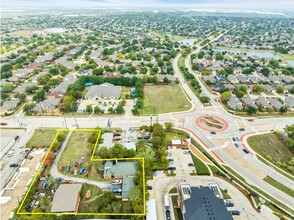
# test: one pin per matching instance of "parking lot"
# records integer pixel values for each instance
(180, 159)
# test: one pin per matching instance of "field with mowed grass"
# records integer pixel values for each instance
(271, 147)
(164, 99)
(42, 138)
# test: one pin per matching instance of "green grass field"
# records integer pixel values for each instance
(279, 186)
(270, 145)
(201, 169)
(173, 136)
(161, 99)
(42, 139)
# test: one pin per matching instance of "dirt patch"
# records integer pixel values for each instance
(199, 154)
(222, 142)
(232, 152)
(211, 123)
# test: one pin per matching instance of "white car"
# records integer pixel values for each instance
(116, 182)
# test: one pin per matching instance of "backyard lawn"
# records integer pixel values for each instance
(42, 139)
(164, 99)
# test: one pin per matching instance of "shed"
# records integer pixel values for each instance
(176, 143)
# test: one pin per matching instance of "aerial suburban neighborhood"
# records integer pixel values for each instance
(160, 113)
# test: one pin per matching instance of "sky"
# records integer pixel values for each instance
(274, 5)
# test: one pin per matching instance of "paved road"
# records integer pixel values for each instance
(162, 185)
(56, 174)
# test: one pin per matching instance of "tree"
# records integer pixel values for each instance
(7, 88)
(219, 56)
(21, 97)
(289, 129)
(119, 109)
(98, 71)
(258, 88)
(239, 93)
(40, 96)
(251, 110)
(97, 109)
(89, 109)
(54, 70)
(280, 89)
(156, 141)
(31, 89)
(204, 99)
(283, 109)
(169, 126)
(225, 96)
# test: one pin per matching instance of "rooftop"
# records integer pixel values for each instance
(66, 198)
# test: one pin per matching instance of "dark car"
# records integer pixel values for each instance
(167, 214)
(246, 151)
(250, 119)
(236, 145)
(235, 212)
(171, 168)
(191, 164)
(149, 187)
(234, 139)
(13, 165)
(3, 123)
(241, 129)
(229, 204)
(212, 132)
(16, 137)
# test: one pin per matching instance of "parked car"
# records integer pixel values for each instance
(212, 132)
(235, 212)
(116, 190)
(246, 151)
(229, 204)
(67, 169)
(82, 170)
(24, 151)
(44, 186)
(167, 214)
(171, 168)
(14, 165)
(3, 123)
(236, 145)
(115, 182)
(234, 139)
(241, 129)
(16, 137)
(149, 187)
(250, 119)
(187, 152)
(191, 164)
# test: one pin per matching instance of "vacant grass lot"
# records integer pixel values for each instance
(76, 148)
(279, 186)
(42, 139)
(201, 169)
(164, 99)
(270, 145)
(174, 136)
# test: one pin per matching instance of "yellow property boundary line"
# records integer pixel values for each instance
(91, 159)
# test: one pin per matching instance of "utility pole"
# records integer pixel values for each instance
(151, 121)
(65, 122)
(76, 123)
(18, 121)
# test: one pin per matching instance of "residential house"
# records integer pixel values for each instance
(22, 73)
(268, 88)
(22, 88)
(48, 105)
(9, 105)
(276, 103)
(242, 79)
(289, 102)
(247, 101)
(263, 101)
(209, 78)
(276, 80)
(235, 103)
(232, 79)
(220, 78)
(287, 79)
(217, 87)
(253, 79)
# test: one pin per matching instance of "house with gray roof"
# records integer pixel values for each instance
(268, 88)
(48, 105)
(289, 102)
(22, 72)
(161, 77)
(232, 79)
(253, 79)
(247, 101)
(287, 79)
(9, 105)
(242, 79)
(209, 78)
(67, 198)
(125, 171)
(104, 91)
(235, 103)
(263, 101)
(275, 103)
(22, 88)
(275, 79)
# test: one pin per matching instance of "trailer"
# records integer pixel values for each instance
(166, 202)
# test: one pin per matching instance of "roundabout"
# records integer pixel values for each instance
(211, 123)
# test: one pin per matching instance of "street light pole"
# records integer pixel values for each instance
(151, 121)
(18, 122)
(65, 122)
